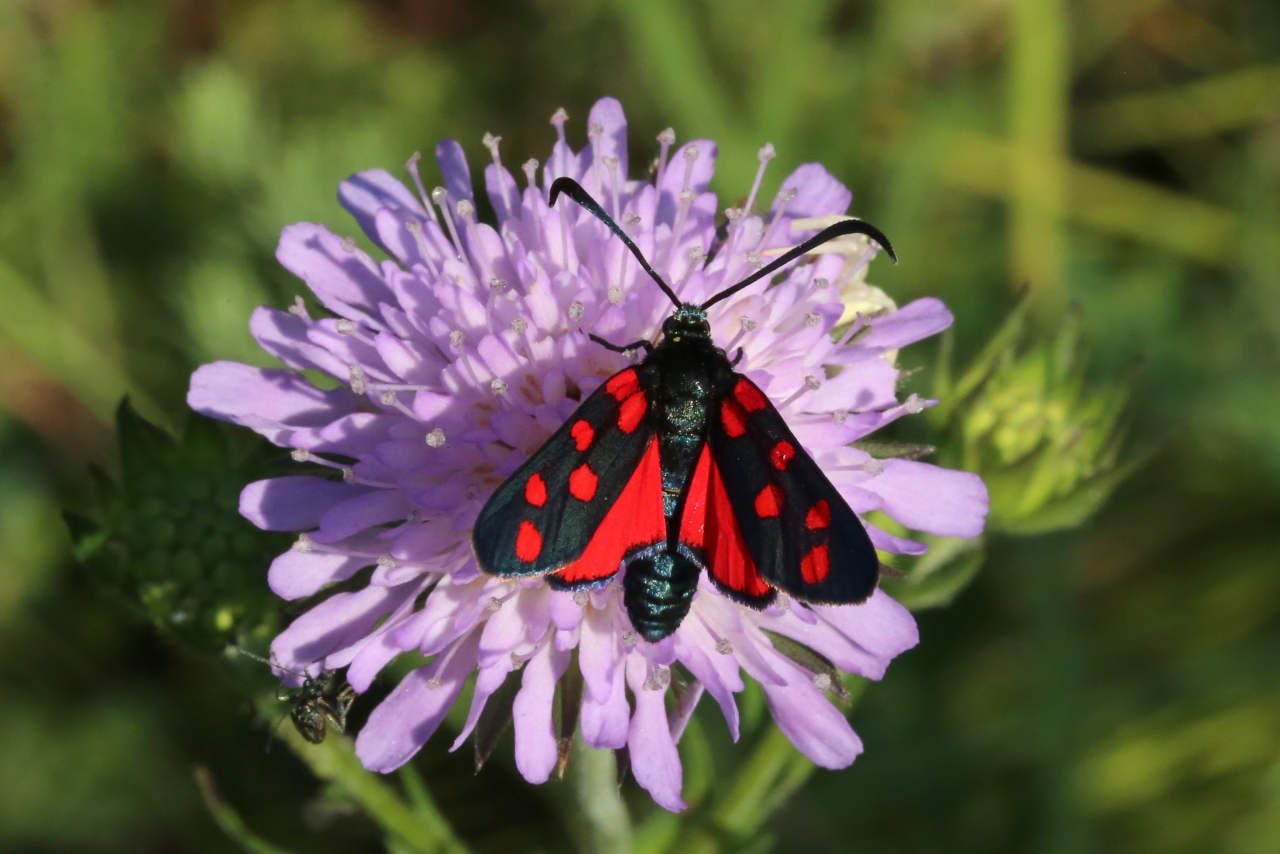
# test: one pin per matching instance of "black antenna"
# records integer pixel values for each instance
(848, 226)
(573, 190)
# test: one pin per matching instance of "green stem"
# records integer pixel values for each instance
(420, 826)
(228, 819)
(599, 821)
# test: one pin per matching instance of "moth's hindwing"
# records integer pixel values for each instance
(799, 531)
(589, 496)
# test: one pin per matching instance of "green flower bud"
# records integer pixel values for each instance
(169, 539)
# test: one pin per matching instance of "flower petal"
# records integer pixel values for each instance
(925, 497)
(531, 714)
(293, 503)
(913, 322)
(403, 722)
(655, 762)
(808, 719)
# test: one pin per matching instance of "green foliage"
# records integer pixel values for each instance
(169, 539)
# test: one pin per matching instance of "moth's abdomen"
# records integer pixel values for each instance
(657, 591)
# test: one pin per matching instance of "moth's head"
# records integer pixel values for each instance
(689, 321)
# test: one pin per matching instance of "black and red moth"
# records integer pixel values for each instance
(676, 465)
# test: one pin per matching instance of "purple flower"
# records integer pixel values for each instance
(458, 358)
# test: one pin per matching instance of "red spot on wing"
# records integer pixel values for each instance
(819, 516)
(582, 483)
(623, 384)
(635, 520)
(751, 398)
(782, 454)
(535, 490)
(733, 418)
(709, 524)
(582, 435)
(631, 411)
(815, 565)
(769, 502)
(528, 542)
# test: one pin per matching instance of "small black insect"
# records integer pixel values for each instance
(314, 711)
(676, 465)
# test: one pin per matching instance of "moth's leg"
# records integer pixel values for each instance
(342, 704)
(736, 359)
(648, 347)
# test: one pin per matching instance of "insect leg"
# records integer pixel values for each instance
(648, 347)
(737, 358)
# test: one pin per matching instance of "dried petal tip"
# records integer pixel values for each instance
(435, 438)
(873, 467)
(754, 261)
(456, 337)
(820, 283)
(630, 218)
(435, 682)
(345, 327)
(812, 382)
(348, 244)
(630, 638)
(496, 284)
(348, 474)
(559, 117)
(465, 209)
(748, 324)
(493, 604)
(839, 416)
(303, 544)
(812, 319)
(388, 398)
(913, 404)
(300, 455)
(667, 137)
(491, 142)
(581, 597)
(733, 214)
(766, 153)
(691, 153)
(595, 130)
(576, 310)
(822, 681)
(724, 648)
(616, 295)
(439, 194)
(387, 561)
(498, 386)
(520, 325)
(356, 374)
(787, 194)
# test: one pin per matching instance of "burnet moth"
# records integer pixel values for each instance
(673, 466)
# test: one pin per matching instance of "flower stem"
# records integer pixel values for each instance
(420, 826)
(598, 821)
(228, 819)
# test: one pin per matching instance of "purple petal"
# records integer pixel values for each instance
(866, 384)
(806, 717)
(364, 511)
(599, 653)
(887, 542)
(879, 625)
(605, 724)
(696, 649)
(285, 337)
(403, 722)
(818, 193)
(457, 175)
(925, 497)
(336, 623)
(826, 639)
(531, 714)
(502, 190)
(673, 179)
(655, 762)
(913, 322)
(268, 401)
(364, 193)
(338, 276)
(296, 574)
(607, 112)
(488, 680)
(293, 503)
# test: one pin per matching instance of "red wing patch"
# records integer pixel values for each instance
(635, 520)
(535, 490)
(582, 435)
(623, 384)
(708, 524)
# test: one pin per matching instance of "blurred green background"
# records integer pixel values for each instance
(1112, 687)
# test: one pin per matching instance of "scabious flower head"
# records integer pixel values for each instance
(459, 356)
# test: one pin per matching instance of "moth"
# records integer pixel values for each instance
(676, 466)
